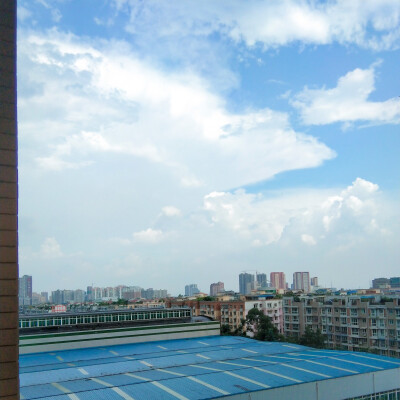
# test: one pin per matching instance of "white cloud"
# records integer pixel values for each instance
(325, 215)
(50, 248)
(149, 236)
(171, 211)
(347, 102)
(111, 97)
(308, 239)
(260, 219)
(367, 23)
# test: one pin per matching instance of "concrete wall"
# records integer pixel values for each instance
(9, 383)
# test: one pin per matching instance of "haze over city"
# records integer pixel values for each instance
(164, 143)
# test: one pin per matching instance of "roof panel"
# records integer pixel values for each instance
(202, 368)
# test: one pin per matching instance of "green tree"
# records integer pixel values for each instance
(313, 338)
(225, 330)
(206, 298)
(262, 326)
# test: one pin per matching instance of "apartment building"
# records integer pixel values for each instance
(231, 312)
(278, 280)
(25, 290)
(301, 281)
(352, 323)
(216, 288)
(270, 307)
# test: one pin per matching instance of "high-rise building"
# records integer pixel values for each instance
(262, 280)
(395, 282)
(378, 283)
(68, 296)
(216, 288)
(246, 283)
(38, 299)
(278, 280)
(160, 293)
(131, 292)
(191, 289)
(45, 296)
(57, 296)
(25, 290)
(148, 293)
(89, 293)
(301, 281)
(314, 281)
(79, 296)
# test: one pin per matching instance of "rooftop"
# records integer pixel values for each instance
(205, 368)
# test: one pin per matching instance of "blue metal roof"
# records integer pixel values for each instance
(202, 368)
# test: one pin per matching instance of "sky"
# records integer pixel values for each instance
(163, 143)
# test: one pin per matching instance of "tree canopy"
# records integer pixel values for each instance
(262, 326)
(313, 338)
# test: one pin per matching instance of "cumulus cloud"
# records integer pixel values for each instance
(149, 236)
(367, 23)
(347, 102)
(325, 216)
(111, 97)
(258, 218)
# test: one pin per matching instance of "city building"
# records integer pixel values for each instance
(131, 292)
(272, 308)
(89, 293)
(45, 296)
(38, 298)
(301, 281)
(232, 312)
(25, 290)
(191, 289)
(216, 288)
(379, 283)
(395, 282)
(261, 281)
(57, 296)
(79, 296)
(355, 323)
(246, 283)
(314, 281)
(278, 280)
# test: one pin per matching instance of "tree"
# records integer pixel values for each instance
(225, 330)
(206, 298)
(313, 338)
(262, 326)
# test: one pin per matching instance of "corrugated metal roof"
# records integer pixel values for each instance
(190, 369)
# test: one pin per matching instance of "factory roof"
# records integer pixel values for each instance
(200, 368)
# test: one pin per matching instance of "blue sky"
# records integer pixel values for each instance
(166, 143)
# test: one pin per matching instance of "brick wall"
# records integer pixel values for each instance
(9, 383)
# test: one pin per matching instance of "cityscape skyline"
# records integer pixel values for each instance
(162, 144)
(253, 283)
